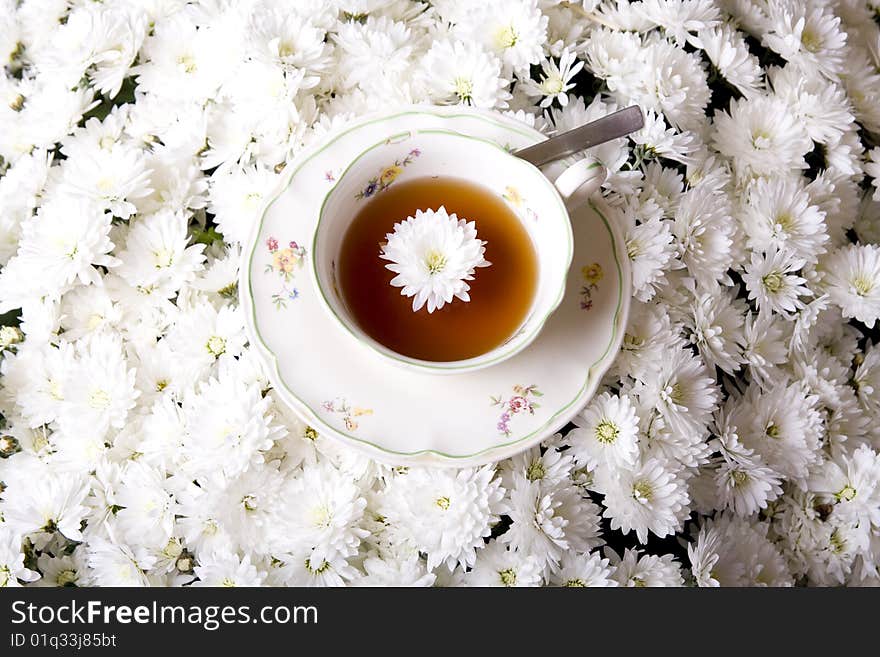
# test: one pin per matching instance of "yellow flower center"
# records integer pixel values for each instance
(642, 491)
(535, 470)
(607, 432)
(99, 399)
(847, 493)
(435, 261)
(773, 282)
(163, 258)
(576, 584)
(187, 62)
(216, 346)
(862, 285)
(508, 577)
(506, 37)
(464, 88)
(443, 502)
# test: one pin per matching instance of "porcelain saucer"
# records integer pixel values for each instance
(347, 391)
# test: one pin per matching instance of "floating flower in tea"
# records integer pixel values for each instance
(433, 254)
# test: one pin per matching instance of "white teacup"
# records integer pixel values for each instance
(542, 206)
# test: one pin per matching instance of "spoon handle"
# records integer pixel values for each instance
(618, 124)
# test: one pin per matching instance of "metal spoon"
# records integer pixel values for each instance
(619, 124)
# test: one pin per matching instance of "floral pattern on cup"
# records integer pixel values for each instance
(519, 403)
(591, 275)
(387, 175)
(285, 262)
(513, 196)
(340, 406)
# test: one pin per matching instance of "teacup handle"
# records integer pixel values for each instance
(579, 181)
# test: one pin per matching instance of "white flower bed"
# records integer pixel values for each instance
(141, 443)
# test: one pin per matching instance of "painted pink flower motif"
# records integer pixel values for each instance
(519, 403)
(284, 264)
(329, 177)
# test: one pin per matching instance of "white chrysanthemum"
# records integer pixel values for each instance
(742, 481)
(762, 136)
(202, 335)
(649, 336)
(38, 499)
(548, 521)
(227, 569)
(730, 551)
(679, 387)
(235, 198)
(617, 58)
(715, 323)
(551, 467)
(227, 425)
(444, 513)
(703, 230)
(772, 282)
(650, 247)
(113, 178)
(37, 375)
(659, 140)
(851, 483)
(184, 61)
(500, 565)
(606, 433)
(63, 570)
(675, 83)
(514, 32)
(148, 509)
(555, 79)
(680, 18)
(294, 41)
(729, 53)
(12, 568)
(378, 48)
(63, 244)
(114, 564)
(99, 387)
(177, 182)
(156, 255)
(639, 570)
(584, 570)
(806, 35)
(403, 572)
(648, 497)
(779, 213)
(782, 425)
(299, 570)
(852, 281)
(820, 104)
(323, 512)
(88, 309)
(455, 72)
(433, 255)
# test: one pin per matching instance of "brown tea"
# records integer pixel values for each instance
(500, 294)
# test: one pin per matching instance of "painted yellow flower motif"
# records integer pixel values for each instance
(285, 260)
(592, 273)
(389, 174)
(513, 196)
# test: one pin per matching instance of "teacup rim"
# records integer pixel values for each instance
(462, 365)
